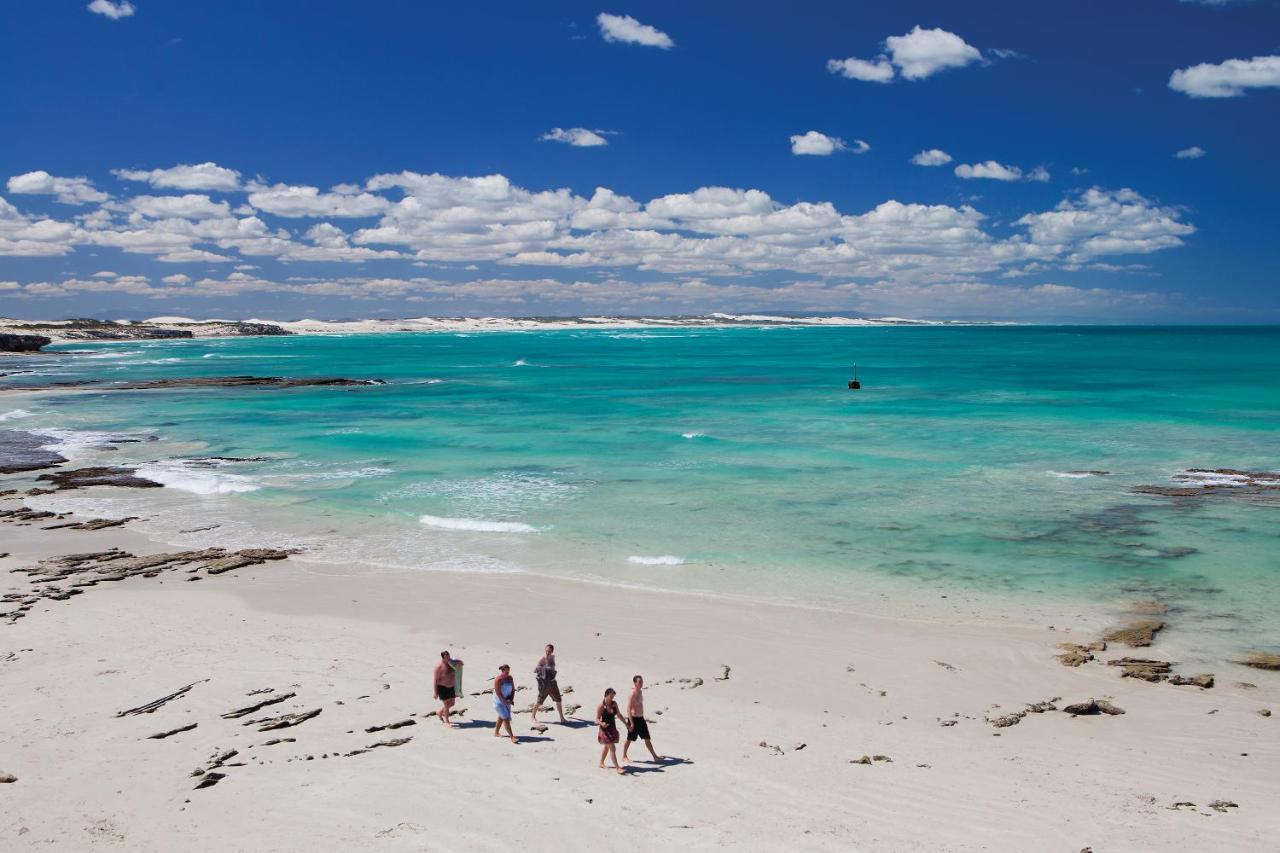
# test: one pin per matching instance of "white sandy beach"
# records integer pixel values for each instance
(64, 331)
(765, 757)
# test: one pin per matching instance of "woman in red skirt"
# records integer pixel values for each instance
(607, 721)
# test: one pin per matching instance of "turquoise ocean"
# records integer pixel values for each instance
(726, 461)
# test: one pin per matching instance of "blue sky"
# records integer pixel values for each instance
(167, 157)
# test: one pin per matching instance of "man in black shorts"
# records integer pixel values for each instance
(545, 672)
(639, 728)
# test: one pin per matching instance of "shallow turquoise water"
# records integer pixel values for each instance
(741, 453)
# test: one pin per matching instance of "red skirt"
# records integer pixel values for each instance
(607, 734)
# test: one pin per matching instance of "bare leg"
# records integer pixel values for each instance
(448, 709)
(560, 711)
(613, 753)
(510, 733)
(649, 744)
(497, 727)
(626, 746)
(603, 752)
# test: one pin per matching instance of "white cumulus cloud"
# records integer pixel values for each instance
(113, 10)
(932, 157)
(916, 55)
(878, 71)
(190, 206)
(66, 190)
(201, 176)
(821, 145)
(627, 30)
(921, 53)
(1195, 152)
(1228, 79)
(990, 170)
(578, 137)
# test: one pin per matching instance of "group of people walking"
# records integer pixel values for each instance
(448, 684)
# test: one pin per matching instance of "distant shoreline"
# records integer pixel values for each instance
(166, 327)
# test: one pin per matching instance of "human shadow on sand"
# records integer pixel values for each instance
(655, 767)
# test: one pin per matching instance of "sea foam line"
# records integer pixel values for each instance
(476, 525)
(15, 414)
(663, 560)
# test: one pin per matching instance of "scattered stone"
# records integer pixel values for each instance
(249, 709)
(93, 524)
(1003, 722)
(208, 780)
(866, 759)
(725, 675)
(400, 741)
(1264, 712)
(1145, 669)
(276, 740)
(163, 735)
(777, 750)
(1246, 685)
(1042, 707)
(1093, 707)
(948, 722)
(883, 758)
(398, 725)
(242, 558)
(948, 667)
(286, 721)
(1223, 805)
(1203, 681)
(690, 683)
(156, 704)
(1137, 634)
(25, 513)
(1075, 654)
(7, 778)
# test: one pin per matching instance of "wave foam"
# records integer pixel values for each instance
(200, 481)
(15, 414)
(693, 435)
(663, 560)
(70, 442)
(476, 525)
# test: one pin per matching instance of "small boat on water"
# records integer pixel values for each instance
(854, 384)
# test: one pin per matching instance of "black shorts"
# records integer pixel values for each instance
(445, 693)
(639, 730)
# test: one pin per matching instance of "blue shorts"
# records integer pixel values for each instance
(502, 709)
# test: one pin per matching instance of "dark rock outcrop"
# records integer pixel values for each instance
(23, 451)
(1092, 707)
(242, 382)
(1145, 669)
(79, 478)
(1262, 660)
(22, 343)
(1136, 634)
